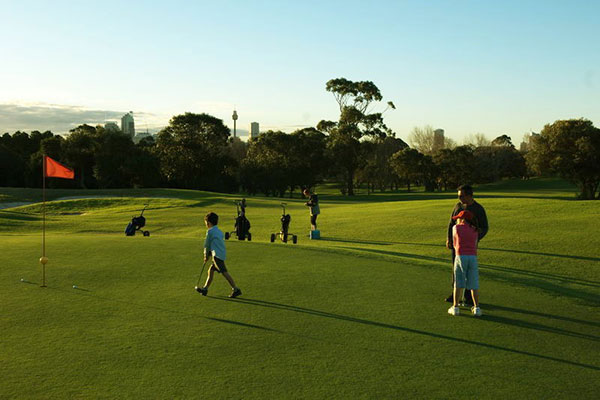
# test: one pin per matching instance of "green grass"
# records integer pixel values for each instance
(355, 315)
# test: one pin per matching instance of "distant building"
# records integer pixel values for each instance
(112, 127)
(524, 147)
(141, 135)
(127, 124)
(438, 140)
(254, 130)
(526, 143)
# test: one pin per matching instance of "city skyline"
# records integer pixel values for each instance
(465, 67)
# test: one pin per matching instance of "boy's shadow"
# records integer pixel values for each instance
(192, 315)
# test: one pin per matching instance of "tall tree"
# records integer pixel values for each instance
(308, 157)
(377, 172)
(570, 148)
(424, 140)
(406, 164)
(477, 140)
(270, 163)
(355, 122)
(115, 158)
(456, 166)
(503, 140)
(193, 152)
(12, 167)
(79, 148)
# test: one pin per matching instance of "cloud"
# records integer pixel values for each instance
(59, 118)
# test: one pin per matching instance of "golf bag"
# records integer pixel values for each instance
(285, 226)
(136, 224)
(242, 225)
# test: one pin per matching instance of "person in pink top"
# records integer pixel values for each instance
(466, 270)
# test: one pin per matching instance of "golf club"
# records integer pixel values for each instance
(200, 277)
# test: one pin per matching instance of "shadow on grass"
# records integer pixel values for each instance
(88, 293)
(18, 216)
(551, 283)
(325, 314)
(420, 196)
(387, 243)
(493, 307)
(539, 327)
(286, 307)
(357, 241)
(227, 321)
(543, 254)
(570, 197)
(561, 278)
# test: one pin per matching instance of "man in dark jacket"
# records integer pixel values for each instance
(466, 202)
(313, 203)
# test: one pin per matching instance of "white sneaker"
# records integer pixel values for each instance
(454, 310)
(476, 311)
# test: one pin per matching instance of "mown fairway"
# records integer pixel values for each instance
(359, 314)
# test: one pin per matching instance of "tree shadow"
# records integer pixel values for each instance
(243, 324)
(493, 307)
(572, 197)
(561, 278)
(539, 327)
(419, 196)
(550, 283)
(325, 314)
(542, 254)
(18, 216)
(533, 253)
(358, 241)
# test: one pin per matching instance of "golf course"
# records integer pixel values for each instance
(357, 314)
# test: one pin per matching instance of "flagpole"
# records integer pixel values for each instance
(43, 259)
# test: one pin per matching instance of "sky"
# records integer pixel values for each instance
(491, 67)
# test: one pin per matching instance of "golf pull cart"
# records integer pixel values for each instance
(285, 225)
(242, 225)
(136, 224)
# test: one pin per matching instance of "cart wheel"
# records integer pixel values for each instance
(294, 239)
(226, 235)
(249, 237)
(146, 233)
(285, 235)
(272, 237)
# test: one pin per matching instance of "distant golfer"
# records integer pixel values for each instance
(466, 269)
(313, 203)
(466, 202)
(215, 245)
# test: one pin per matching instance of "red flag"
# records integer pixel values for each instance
(54, 169)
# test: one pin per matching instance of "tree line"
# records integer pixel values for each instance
(196, 151)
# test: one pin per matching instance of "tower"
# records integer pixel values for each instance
(235, 117)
